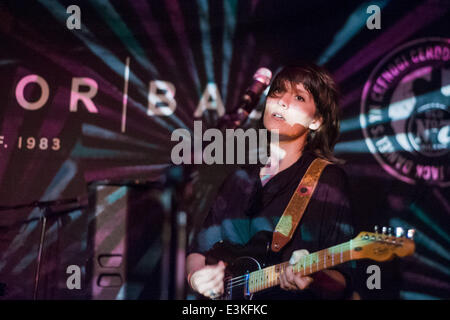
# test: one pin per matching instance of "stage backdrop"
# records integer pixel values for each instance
(92, 90)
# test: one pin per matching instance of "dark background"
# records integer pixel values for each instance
(190, 44)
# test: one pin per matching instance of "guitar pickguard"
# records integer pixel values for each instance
(258, 247)
(241, 260)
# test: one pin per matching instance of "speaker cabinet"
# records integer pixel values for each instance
(126, 242)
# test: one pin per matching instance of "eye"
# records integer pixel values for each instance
(299, 98)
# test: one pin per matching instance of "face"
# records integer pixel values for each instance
(291, 110)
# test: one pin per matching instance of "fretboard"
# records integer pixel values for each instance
(309, 264)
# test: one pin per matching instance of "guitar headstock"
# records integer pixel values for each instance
(385, 245)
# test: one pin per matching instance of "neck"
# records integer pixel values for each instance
(284, 153)
(309, 264)
(292, 150)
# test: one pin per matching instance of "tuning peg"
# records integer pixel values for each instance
(410, 234)
(384, 230)
(375, 229)
(399, 232)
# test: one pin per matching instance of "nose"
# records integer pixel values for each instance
(282, 101)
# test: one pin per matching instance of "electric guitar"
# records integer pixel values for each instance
(245, 275)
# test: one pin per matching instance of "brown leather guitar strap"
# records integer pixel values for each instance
(296, 207)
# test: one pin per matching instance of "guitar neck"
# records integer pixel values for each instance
(309, 264)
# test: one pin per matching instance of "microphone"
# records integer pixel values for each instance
(261, 80)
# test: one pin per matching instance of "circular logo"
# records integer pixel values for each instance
(405, 114)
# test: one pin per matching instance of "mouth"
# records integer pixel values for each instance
(278, 116)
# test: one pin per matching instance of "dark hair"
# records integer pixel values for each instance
(319, 83)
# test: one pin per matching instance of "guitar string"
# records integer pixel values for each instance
(303, 258)
(230, 284)
(239, 281)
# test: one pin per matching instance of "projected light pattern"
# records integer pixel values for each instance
(110, 16)
(206, 38)
(395, 35)
(229, 30)
(355, 23)
(60, 181)
(189, 45)
(425, 219)
(111, 60)
(431, 258)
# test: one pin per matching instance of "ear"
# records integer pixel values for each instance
(315, 124)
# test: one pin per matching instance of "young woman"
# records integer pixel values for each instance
(302, 106)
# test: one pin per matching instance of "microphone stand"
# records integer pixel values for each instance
(43, 218)
(73, 204)
(174, 237)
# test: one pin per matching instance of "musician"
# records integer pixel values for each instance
(302, 104)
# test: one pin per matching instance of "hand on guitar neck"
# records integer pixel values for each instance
(290, 280)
